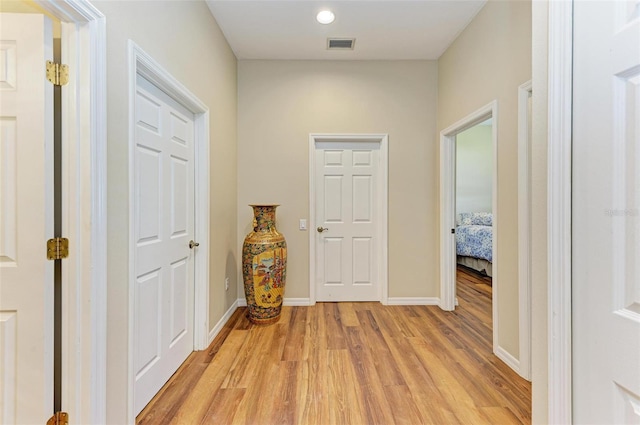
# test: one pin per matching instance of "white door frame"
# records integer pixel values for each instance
(559, 132)
(141, 63)
(448, 209)
(381, 207)
(524, 228)
(84, 213)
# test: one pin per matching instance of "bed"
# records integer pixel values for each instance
(474, 241)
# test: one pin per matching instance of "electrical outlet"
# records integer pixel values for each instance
(226, 283)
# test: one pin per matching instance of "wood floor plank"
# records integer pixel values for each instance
(343, 393)
(348, 314)
(278, 404)
(247, 362)
(433, 408)
(404, 407)
(295, 337)
(224, 406)
(393, 321)
(371, 330)
(375, 407)
(312, 407)
(195, 406)
(236, 321)
(352, 364)
(256, 401)
(500, 415)
(333, 323)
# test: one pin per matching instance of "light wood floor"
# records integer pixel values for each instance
(351, 363)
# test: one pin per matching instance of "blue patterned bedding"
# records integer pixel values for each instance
(474, 237)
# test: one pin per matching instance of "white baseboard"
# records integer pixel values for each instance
(506, 357)
(296, 302)
(413, 301)
(242, 302)
(391, 301)
(223, 321)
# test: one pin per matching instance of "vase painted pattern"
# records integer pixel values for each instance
(264, 267)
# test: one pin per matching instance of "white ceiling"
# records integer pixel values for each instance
(383, 29)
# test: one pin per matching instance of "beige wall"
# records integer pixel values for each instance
(488, 61)
(184, 38)
(281, 102)
(539, 336)
(474, 169)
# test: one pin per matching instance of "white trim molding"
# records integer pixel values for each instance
(506, 357)
(559, 210)
(447, 217)
(524, 227)
(287, 302)
(296, 302)
(84, 212)
(381, 208)
(140, 63)
(223, 321)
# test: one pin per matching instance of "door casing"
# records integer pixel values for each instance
(143, 64)
(381, 207)
(524, 228)
(558, 249)
(84, 209)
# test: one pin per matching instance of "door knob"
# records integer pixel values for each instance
(321, 229)
(193, 244)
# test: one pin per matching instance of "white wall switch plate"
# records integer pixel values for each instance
(303, 224)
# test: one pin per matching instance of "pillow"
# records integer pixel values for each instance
(475, 219)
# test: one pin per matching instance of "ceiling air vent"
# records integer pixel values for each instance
(340, 43)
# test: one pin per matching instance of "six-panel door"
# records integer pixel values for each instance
(164, 225)
(346, 200)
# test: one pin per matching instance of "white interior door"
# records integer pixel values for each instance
(347, 237)
(606, 213)
(26, 220)
(164, 226)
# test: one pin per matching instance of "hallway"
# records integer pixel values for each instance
(351, 363)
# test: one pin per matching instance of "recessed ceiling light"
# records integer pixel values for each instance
(325, 17)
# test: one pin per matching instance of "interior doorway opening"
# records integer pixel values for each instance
(448, 211)
(474, 199)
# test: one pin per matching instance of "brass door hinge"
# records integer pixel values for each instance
(57, 248)
(60, 418)
(57, 74)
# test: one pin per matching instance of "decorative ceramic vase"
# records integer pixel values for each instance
(264, 266)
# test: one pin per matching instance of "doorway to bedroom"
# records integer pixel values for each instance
(470, 209)
(474, 201)
(468, 181)
(474, 219)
